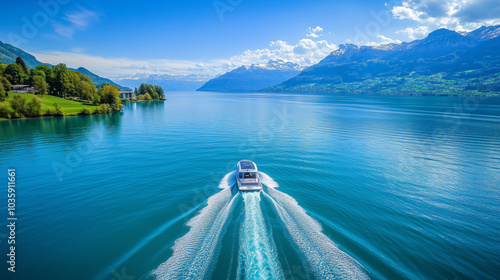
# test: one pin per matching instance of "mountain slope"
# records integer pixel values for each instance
(445, 62)
(254, 77)
(98, 80)
(9, 53)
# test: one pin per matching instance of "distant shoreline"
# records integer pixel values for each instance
(69, 111)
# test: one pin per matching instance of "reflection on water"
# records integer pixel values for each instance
(62, 126)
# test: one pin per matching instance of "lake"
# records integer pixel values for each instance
(381, 187)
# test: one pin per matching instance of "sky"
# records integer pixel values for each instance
(210, 37)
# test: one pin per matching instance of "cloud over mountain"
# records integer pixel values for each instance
(459, 15)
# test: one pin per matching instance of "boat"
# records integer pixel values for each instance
(247, 176)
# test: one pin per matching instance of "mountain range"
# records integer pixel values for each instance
(9, 53)
(166, 81)
(445, 62)
(254, 77)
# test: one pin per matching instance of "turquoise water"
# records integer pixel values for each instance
(369, 187)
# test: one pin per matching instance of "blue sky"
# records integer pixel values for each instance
(118, 38)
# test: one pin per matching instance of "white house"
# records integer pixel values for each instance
(126, 94)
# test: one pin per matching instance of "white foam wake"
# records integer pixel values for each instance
(258, 257)
(267, 180)
(194, 252)
(228, 180)
(325, 259)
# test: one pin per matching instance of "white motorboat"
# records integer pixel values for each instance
(247, 176)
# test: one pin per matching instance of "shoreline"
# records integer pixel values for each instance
(79, 114)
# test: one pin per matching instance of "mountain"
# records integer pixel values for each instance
(166, 81)
(444, 63)
(98, 80)
(9, 53)
(254, 77)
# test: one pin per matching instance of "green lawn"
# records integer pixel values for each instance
(69, 107)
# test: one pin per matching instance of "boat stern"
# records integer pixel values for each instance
(249, 186)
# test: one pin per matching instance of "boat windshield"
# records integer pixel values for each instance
(250, 175)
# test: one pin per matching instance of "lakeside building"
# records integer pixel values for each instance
(22, 88)
(126, 94)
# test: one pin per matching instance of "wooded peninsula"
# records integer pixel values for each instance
(59, 91)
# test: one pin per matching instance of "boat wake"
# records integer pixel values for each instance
(257, 258)
(326, 260)
(267, 180)
(228, 181)
(195, 252)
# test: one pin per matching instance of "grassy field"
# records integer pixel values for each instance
(69, 107)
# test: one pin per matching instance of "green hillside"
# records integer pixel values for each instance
(97, 80)
(9, 53)
(443, 63)
(69, 107)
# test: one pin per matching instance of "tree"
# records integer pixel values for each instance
(59, 111)
(21, 63)
(147, 96)
(111, 95)
(154, 91)
(135, 91)
(73, 81)
(15, 74)
(46, 69)
(6, 84)
(159, 90)
(49, 76)
(86, 90)
(143, 89)
(3, 94)
(103, 109)
(2, 68)
(96, 98)
(153, 94)
(5, 111)
(49, 112)
(34, 72)
(61, 80)
(40, 84)
(18, 104)
(34, 107)
(85, 111)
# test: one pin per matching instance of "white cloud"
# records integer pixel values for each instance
(314, 32)
(459, 15)
(73, 21)
(305, 52)
(415, 33)
(113, 66)
(383, 40)
(82, 17)
(404, 12)
(386, 40)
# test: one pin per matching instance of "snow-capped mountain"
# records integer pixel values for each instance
(254, 77)
(445, 62)
(168, 82)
